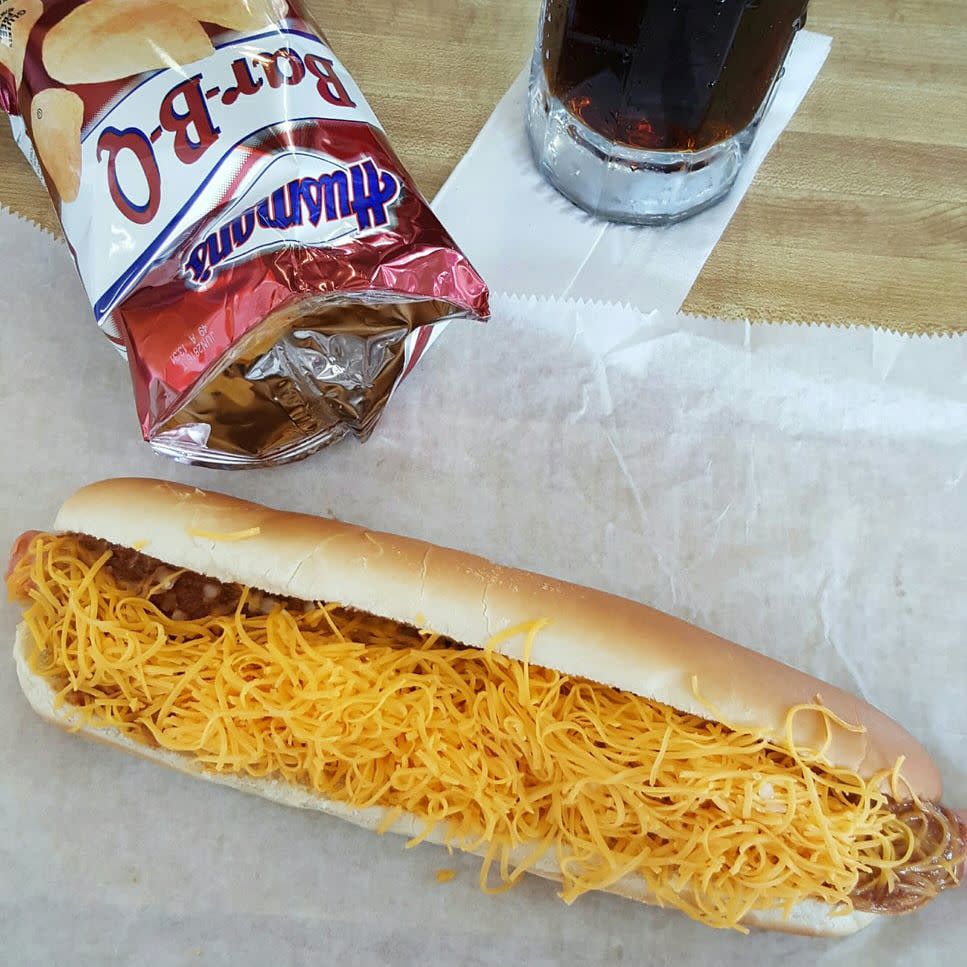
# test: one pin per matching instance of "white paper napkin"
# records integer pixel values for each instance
(524, 237)
(803, 491)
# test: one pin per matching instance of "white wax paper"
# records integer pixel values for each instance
(800, 490)
(525, 237)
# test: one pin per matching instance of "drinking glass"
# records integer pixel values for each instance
(644, 110)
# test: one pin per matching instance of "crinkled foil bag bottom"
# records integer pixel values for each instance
(247, 237)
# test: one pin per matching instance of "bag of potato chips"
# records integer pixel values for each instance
(245, 233)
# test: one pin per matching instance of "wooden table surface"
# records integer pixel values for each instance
(859, 215)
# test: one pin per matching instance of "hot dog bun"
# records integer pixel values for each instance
(593, 635)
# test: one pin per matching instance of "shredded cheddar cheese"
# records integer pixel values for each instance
(518, 761)
(242, 535)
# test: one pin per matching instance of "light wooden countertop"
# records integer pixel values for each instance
(859, 215)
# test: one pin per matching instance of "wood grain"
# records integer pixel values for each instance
(858, 216)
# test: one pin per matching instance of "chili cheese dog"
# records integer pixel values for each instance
(547, 727)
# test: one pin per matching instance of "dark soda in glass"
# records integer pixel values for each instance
(667, 75)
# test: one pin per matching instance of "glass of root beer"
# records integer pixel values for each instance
(644, 110)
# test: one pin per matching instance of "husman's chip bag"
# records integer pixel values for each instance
(245, 233)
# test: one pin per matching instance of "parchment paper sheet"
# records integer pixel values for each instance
(803, 491)
(525, 237)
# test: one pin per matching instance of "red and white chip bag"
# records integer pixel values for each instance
(245, 233)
